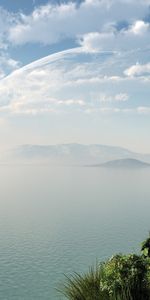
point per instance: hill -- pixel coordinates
(124, 163)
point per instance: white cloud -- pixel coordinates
(93, 23)
(95, 41)
(122, 97)
(105, 97)
(69, 102)
(138, 70)
(37, 88)
(51, 23)
(139, 27)
(132, 38)
(64, 83)
(44, 106)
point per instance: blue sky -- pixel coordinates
(22, 5)
(75, 72)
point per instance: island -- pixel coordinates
(127, 163)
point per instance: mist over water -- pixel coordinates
(55, 221)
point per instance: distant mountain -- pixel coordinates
(70, 154)
(67, 154)
(124, 163)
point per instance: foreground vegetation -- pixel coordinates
(122, 277)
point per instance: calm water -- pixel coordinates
(56, 221)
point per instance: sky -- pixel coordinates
(75, 71)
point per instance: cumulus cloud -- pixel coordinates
(110, 25)
(51, 23)
(139, 27)
(102, 27)
(133, 37)
(138, 70)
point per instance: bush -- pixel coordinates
(146, 248)
(123, 277)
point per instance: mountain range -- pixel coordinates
(71, 154)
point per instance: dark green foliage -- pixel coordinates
(123, 277)
(146, 248)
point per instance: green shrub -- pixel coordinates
(123, 277)
(145, 249)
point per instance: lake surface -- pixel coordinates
(55, 221)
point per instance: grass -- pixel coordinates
(86, 286)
